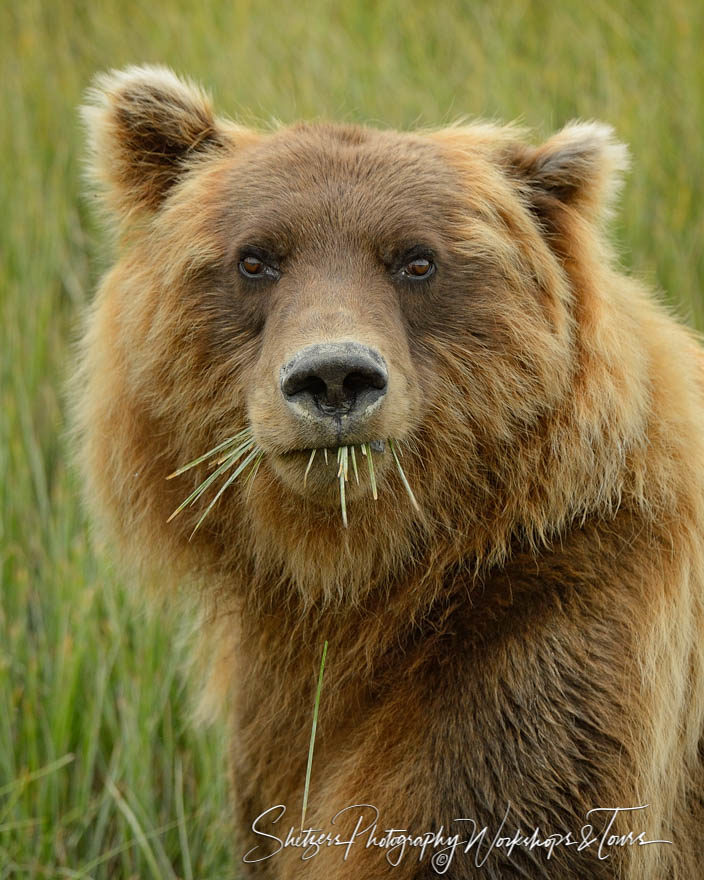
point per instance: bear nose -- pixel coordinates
(334, 379)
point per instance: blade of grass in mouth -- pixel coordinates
(310, 464)
(406, 484)
(246, 452)
(343, 459)
(253, 473)
(233, 476)
(370, 466)
(231, 441)
(342, 478)
(354, 465)
(237, 454)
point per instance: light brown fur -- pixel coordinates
(535, 635)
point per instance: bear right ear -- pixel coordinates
(581, 166)
(145, 125)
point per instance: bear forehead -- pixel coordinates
(334, 180)
(313, 151)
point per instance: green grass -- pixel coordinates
(102, 773)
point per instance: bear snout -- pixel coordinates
(335, 381)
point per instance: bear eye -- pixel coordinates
(258, 266)
(251, 266)
(419, 268)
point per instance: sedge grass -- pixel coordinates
(314, 727)
(310, 465)
(242, 451)
(404, 480)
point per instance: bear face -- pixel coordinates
(327, 287)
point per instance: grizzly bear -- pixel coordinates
(410, 406)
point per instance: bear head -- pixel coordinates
(341, 309)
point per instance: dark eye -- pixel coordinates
(258, 265)
(251, 266)
(418, 269)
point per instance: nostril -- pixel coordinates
(315, 385)
(355, 383)
(334, 376)
(303, 383)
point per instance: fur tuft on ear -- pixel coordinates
(581, 166)
(144, 126)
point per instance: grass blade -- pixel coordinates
(198, 491)
(254, 471)
(354, 465)
(407, 485)
(37, 774)
(181, 816)
(342, 457)
(372, 477)
(314, 727)
(233, 476)
(235, 453)
(343, 502)
(310, 464)
(137, 830)
(225, 443)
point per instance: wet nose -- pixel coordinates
(334, 379)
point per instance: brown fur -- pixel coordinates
(534, 636)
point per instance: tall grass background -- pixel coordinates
(102, 773)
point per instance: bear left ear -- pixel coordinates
(580, 166)
(145, 127)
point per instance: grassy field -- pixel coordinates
(102, 772)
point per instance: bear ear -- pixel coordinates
(144, 126)
(580, 166)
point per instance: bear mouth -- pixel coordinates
(240, 456)
(376, 446)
